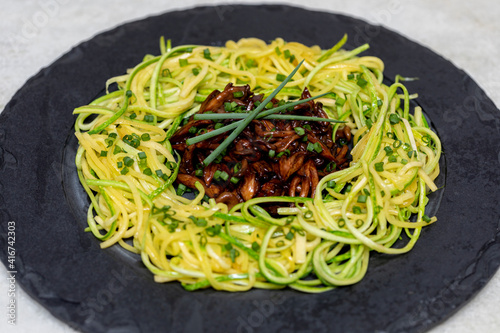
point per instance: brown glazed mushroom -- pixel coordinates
(270, 157)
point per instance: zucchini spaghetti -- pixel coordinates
(131, 172)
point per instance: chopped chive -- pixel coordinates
(379, 166)
(149, 118)
(356, 210)
(272, 152)
(310, 147)
(128, 161)
(119, 164)
(426, 218)
(224, 176)
(388, 150)
(133, 115)
(350, 76)
(203, 240)
(237, 167)
(213, 231)
(131, 141)
(104, 153)
(393, 159)
(198, 173)
(292, 59)
(289, 235)
(147, 172)
(284, 152)
(181, 189)
(228, 107)
(171, 165)
(369, 123)
(404, 161)
(124, 171)
(235, 180)
(238, 94)
(195, 71)
(145, 137)
(206, 54)
(193, 130)
(361, 82)
(183, 62)
(159, 173)
(277, 50)
(233, 253)
(268, 137)
(141, 155)
(217, 174)
(218, 159)
(113, 135)
(255, 246)
(117, 150)
(362, 198)
(331, 166)
(299, 130)
(331, 184)
(317, 147)
(218, 125)
(394, 119)
(199, 222)
(397, 144)
(340, 101)
(109, 142)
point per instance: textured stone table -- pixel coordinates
(33, 34)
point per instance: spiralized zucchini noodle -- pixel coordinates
(128, 168)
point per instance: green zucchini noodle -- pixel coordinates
(128, 168)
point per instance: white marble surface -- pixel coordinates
(34, 33)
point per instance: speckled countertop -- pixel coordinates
(34, 33)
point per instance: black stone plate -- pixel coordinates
(95, 290)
